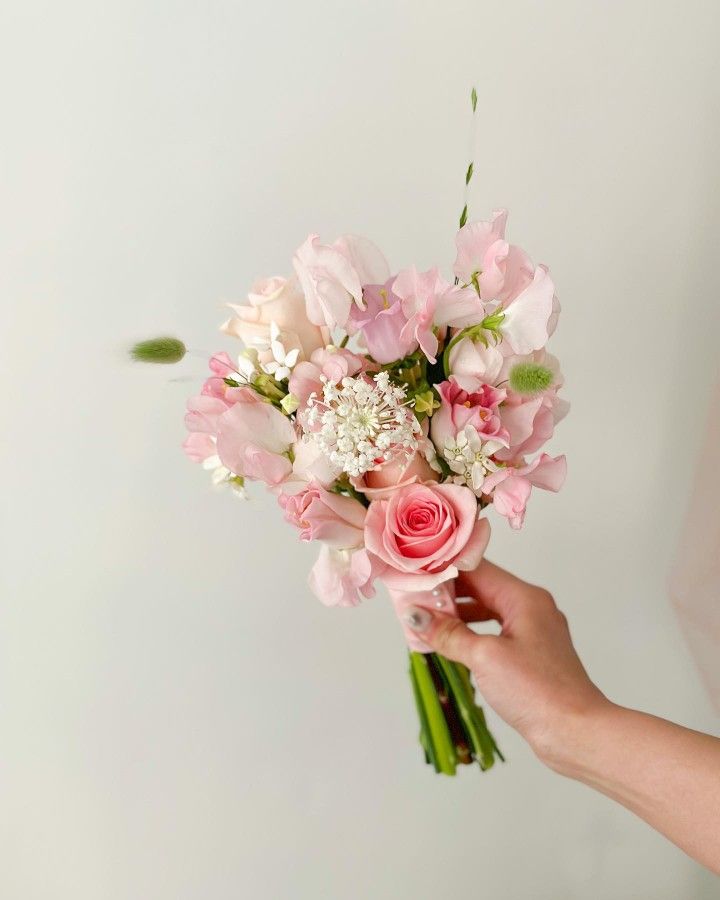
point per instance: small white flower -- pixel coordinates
(468, 458)
(282, 363)
(247, 365)
(360, 424)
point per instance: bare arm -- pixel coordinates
(531, 675)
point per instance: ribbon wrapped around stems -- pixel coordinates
(452, 726)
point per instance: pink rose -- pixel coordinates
(342, 577)
(382, 323)
(381, 483)
(424, 534)
(281, 301)
(332, 276)
(324, 516)
(459, 408)
(254, 439)
(510, 487)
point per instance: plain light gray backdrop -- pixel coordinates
(180, 718)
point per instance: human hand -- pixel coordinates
(530, 673)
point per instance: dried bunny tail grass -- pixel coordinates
(530, 378)
(165, 350)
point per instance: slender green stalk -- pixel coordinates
(445, 757)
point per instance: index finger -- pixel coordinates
(494, 589)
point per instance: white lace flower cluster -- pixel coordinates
(469, 458)
(359, 424)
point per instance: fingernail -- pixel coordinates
(417, 618)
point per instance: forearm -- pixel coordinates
(666, 774)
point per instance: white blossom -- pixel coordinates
(468, 458)
(360, 424)
(283, 361)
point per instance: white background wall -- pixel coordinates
(180, 718)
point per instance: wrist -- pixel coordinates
(570, 737)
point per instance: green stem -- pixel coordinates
(443, 748)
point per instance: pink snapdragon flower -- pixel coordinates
(342, 577)
(425, 534)
(382, 323)
(510, 487)
(322, 515)
(459, 408)
(332, 276)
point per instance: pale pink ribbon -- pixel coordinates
(440, 599)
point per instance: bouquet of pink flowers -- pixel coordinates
(385, 413)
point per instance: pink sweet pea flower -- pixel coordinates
(254, 438)
(321, 515)
(460, 408)
(341, 577)
(382, 323)
(331, 364)
(424, 534)
(473, 363)
(502, 270)
(419, 292)
(527, 317)
(510, 487)
(332, 276)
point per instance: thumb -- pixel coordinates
(446, 635)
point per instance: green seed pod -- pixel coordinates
(165, 350)
(530, 378)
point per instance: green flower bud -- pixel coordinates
(289, 404)
(530, 378)
(164, 350)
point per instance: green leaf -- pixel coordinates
(463, 215)
(469, 173)
(473, 99)
(164, 350)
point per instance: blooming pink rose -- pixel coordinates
(341, 577)
(381, 483)
(254, 438)
(420, 292)
(424, 534)
(325, 516)
(459, 408)
(332, 276)
(503, 270)
(382, 323)
(281, 301)
(510, 487)
(331, 364)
